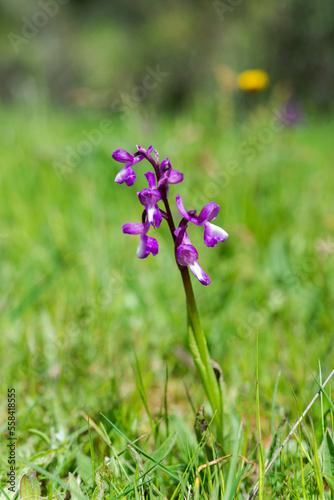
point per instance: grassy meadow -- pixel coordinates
(89, 329)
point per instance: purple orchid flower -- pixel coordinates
(149, 198)
(212, 233)
(168, 175)
(146, 244)
(127, 174)
(173, 176)
(122, 156)
(159, 180)
(187, 255)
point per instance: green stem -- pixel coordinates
(201, 355)
(197, 340)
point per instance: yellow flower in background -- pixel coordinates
(253, 80)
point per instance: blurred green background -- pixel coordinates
(81, 53)
(80, 79)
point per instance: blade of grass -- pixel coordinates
(102, 433)
(321, 403)
(52, 477)
(258, 424)
(3, 491)
(192, 459)
(40, 434)
(141, 390)
(230, 483)
(171, 474)
(317, 469)
(252, 494)
(133, 488)
(322, 391)
(302, 466)
(166, 403)
(91, 451)
(273, 404)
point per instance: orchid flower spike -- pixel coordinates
(159, 181)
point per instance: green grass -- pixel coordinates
(89, 329)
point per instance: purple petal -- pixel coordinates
(180, 230)
(144, 151)
(140, 149)
(165, 165)
(150, 176)
(149, 197)
(146, 246)
(152, 245)
(181, 236)
(156, 154)
(213, 234)
(122, 156)
(186, 255)
(127, 175)
(179, 233)
(175, 177)
(186, 239)
(183, 211)
(208, 212)
(199, 273)
(134, 228)
(154, 216)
